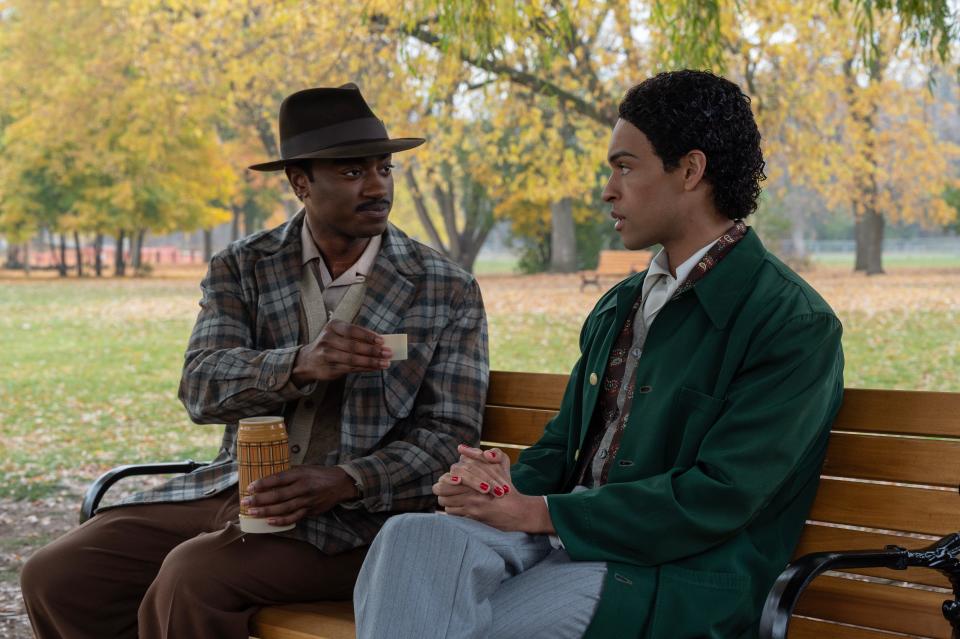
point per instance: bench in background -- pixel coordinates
(616, 264)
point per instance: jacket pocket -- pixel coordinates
(697, 604)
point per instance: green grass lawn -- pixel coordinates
(90, 371)
(895, 260)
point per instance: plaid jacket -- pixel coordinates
(400, 427)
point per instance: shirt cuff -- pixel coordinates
(358, 482)
(554, 540)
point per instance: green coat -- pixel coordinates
(738, 384)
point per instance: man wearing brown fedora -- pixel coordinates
(291, 322)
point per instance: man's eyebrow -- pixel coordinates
(619, 154)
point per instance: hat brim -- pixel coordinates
(357, 150)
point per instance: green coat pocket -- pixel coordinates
(696, 604)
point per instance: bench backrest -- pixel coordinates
(620, 262)
(890, 477)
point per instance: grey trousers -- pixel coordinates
(440, 576)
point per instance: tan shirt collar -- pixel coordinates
(353, 275)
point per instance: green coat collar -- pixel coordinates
(719, 294)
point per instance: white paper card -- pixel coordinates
(397, 342)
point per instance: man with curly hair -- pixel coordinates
(670, 490)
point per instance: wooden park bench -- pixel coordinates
(615, 264)
(890, 478)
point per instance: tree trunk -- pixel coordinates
(79, 252)
(136, 257)
(13, 256)
(860, 244)
(62, 266)
(207, 245)
(26, 258)
(420, 205)
(563, 241)
(251, 222)
(873, 223)
(98, 255)
(235, 225)
(119, 263)
(798, 241)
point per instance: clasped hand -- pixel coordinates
(479, 487)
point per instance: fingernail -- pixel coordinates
(386, 353)
(253, 512)
(454, 478)
(250, 488)
(506, 489)
(385, 363)
(498, 491)
(245, 501)
(491, 454)
(484, 486)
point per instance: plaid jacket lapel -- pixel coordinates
(278, 280)
(389, 292)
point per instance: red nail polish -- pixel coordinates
(498, 491)
(506, 489)
(484, 486)
(454, 478)
(491, 454)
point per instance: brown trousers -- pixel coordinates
(173, 570)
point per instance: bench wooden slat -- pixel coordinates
(818, 538)
(526, 390)
(872, 605)
(884, 458)
(804, 628)
(905, 412)
(320, 620)
(902, 508)
(519, 426)
(897, 459)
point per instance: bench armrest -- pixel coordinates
(96, 491)
(786, 591)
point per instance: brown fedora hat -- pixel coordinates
(331, 123)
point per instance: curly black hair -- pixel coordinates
(680, 111)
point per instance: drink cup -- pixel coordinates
(262, 450)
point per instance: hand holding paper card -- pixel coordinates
(397, 342)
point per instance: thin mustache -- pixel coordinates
(374, 204)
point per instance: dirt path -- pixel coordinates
(24, 527)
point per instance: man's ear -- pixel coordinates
(694, 166)
(296, 176)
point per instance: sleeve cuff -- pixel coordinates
(275, 374)
(358, 482)
(554, 539)
(372, 477)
